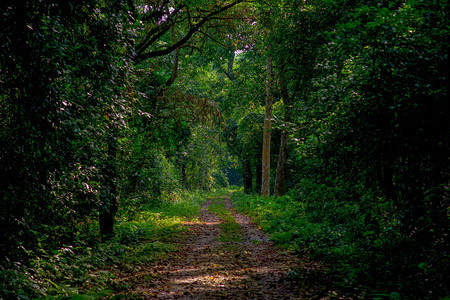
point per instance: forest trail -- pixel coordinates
(224, 255)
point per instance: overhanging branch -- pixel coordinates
(192, 31)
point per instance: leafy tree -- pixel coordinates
(104, 105)
(374, 116)
(186, 18)
(62, 86)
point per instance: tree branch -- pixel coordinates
(158, 32)
(175, 63)
(192, 31)
(213, 39)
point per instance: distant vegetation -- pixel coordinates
(113, 114)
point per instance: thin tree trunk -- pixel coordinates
(258, 176)
(229, 71)
(247, 174)
(174, 68)
(281, 166)
(265, 180)
(108, 205)
(280, 177)
(175, 61)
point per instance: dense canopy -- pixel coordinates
(332, 115)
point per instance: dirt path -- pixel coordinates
(214, 264)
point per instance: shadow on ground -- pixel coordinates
(208, 267)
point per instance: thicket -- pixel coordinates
(358, 235)
(109, 105)
(384, 129)
(362, 89)
(88, 131)
(89, 268)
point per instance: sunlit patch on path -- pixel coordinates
(209, 267)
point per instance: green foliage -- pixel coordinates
(87, 121)
(348, 227)
(370, 134)
(150, 176)
(62, 99)
(91, 268)
(250, 137)
(229, 228)
(205, 158)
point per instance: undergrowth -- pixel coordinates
(363, 246)
(229, 228)
(88, 268)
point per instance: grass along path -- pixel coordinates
(223, 255)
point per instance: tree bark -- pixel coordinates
(265, 180)
(174, 68)
(175, 61)
(280, 177)
(108, 204)
(229, 71)
(247, 174)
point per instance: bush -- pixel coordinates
(355, 234)
(220, 179)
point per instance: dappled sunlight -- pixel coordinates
(202, 223)
(211, 280)
(209, 265)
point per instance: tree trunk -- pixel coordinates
(281, 166)
(175, 61)
(229, 71)
(258, 176)
(174, 75)
(247, 174)
(265, 180)
(108, 204)
(283, 153)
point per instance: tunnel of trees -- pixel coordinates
(335, 110)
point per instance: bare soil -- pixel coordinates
(208, 267)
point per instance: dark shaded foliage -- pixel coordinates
(63, 74)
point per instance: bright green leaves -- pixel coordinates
(205, 159)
